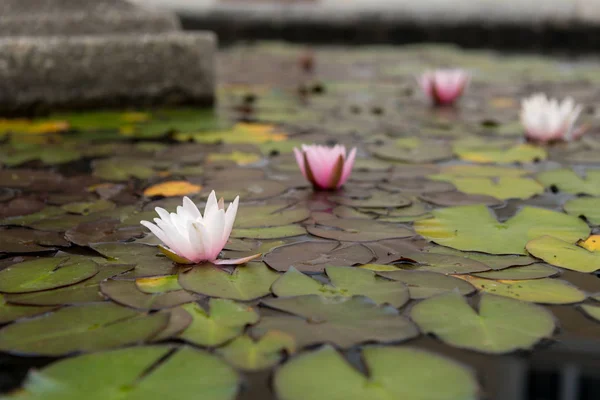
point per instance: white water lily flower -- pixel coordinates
(547, 120)
(192, 237)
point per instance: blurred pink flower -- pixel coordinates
(444, 86)
(547, 120)
(193, 238)
(325, 167)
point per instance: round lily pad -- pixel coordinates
(250, 355)
(345, 282)
(587, 207)
(145, 372)
(475, 228)
(46, 273)
(394, 373)
(358, 230)
(224, 320)
(533, 271)
(80, 328)
(423, 284)
(501, 324)
(126, 293)
(246, 282)
(344, 322)
(566, 180)
(315, 256)
(564, 254)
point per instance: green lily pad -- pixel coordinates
(145, 372)
(492, 153)
(545, 290)
(376, 199)
(20, 240)
(423, 284)
(502, 325)
(269, 215)
(224, 321)
(587, 207)
(122, 169)
(87, 291)
(46, 273)
(89, 207)
(158, 284)
(148, 260)
(566, 180)
(247, 282)
(413, 150)
(564, 254)
(315, 256)
(344, 322)
(126, 293)
(11, 312)
(591, 310)
(272, 232)
(444, 263)
(533, 271)
(249, 355)
(493, 261)
(358, 230)
(394, 373)
(90, 327)
(345, 282)
(474, 228)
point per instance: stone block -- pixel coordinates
(78, 72)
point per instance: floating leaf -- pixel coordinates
(126, 293)
(358, 230)
(273, 232)
(491, 153)
(80, 328)
(46, 273)
(268, 215)
(343, 321)
(85, 208)
(545, 290)
(346, 282)
(533, 271)
(394, 373)
(566, 180)
(145, 372)
(495, 262)
(18, 240)
(502, 325)
(122, 169)
(172, 188)
(459, 199)
(11, 312)
(592, 311)
(413, 150)
(147, 260)
(225, 320)
(87, 291)
(564, 254)
(376, 199)
(422, 284)
(240, 133)
(315, 256)
(247, 282)
(249, 355)
(587, 207)
(475, 228)
(158, 284)
(445, 264)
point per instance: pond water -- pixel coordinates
(457, 262)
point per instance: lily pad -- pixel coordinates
(545, 290)
(20, 240)
(566, 180)
(459, 199)
(587, 207)
(423, 284)
(495, 262)
(358, 230)
(87, 291)
(11, 312)
(122, 169)
(46, 273)
(345, 282)
(249, 355)
(126, 293)
(501, 324)
(445, 264)
(142, 372)
(564, 254)
(245, 283)
(269, 215)
(344, 322)
(491, 153)
(224, 321)
(315, 256)
(533, 271)
(591, 310)
(413, 150)
(394, 373)
(148, 260)
(474, 228)
(272, 232)
(376, 199)
(91, 327)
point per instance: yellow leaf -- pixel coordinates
(31, 127)
(591, 244)
(135, 117)
(172, 188)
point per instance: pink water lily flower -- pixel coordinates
(444, 86)
(546, 120)
(191, 237)
(325, 167)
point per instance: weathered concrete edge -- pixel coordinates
(38, 74)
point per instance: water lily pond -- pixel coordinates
(457, 262)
